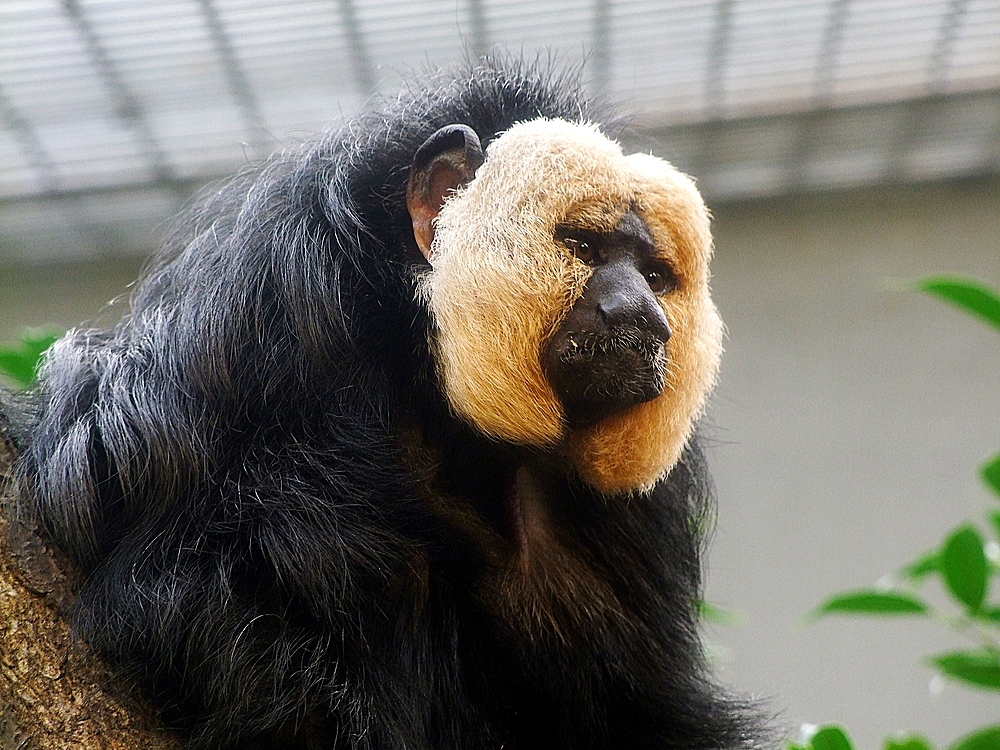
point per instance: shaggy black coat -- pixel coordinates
(232, 467)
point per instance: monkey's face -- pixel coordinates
(569, 291)
(609, 353)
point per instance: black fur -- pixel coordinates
(251, 470)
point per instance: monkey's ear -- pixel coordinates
(446, 161)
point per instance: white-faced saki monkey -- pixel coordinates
(396, 448)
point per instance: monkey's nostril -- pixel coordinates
(619, 310)
(661, 328)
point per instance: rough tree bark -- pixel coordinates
(54, 692)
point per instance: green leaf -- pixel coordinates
(830, 738)
(980, 668)
(717, 615)
(987, 738)
(990, 472)
(965, 568)
(17, 366)
(923, 566)
(20, 362)
(907, 742)
(995, 518)
(971, 296)
(990, 614)
(872, 602)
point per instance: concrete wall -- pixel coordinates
(846, 433)
(64, 294)
(848, 427)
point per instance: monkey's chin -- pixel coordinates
(600, 384)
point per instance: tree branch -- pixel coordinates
(54, 692)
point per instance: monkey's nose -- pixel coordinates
(622, 310)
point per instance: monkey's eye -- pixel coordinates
(583, 249)
(661, 280)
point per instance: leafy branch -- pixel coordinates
(966, 562)
(19, 362)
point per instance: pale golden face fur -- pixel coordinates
(500, 285)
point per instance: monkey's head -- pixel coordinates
(568, 286)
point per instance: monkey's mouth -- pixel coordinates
(596, 374)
